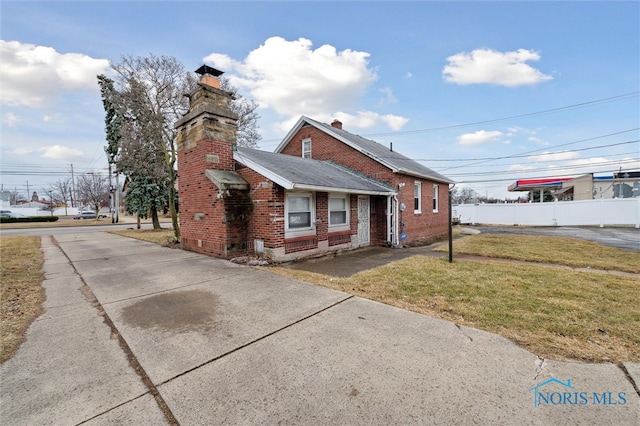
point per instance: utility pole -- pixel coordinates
(73, 188)
(28, 194)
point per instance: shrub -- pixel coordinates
(28, 219)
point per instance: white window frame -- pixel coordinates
(340, 226)
(299, 232)
(306, 148)
(417, 195)
(436, 197)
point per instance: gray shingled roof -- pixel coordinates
(300, 173)
(397, 162)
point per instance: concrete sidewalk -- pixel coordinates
(134, 333)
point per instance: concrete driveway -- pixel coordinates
(134, 333)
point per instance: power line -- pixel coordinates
(617, 154)
(542, 149)
(616, 98)
(615, 163)
(513, 117)
(528, 154)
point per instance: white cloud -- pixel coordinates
(368, 119)
(408, 75)
(387, 96)
(21, 151)
(58, 152)
(479, 137)
(31, 75)
(493, 67)
(294, 79)
(10, 119)
(554, 156)
(520, 168)
(538, 141)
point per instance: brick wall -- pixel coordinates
(417, 226)
(212, 222)
(267, 219)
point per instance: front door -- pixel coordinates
(363, 220)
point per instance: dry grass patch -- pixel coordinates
(553, 313)
(21, 293)
(562, 251)
(56, 224)
(164, 237)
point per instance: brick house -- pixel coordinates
(324, 189)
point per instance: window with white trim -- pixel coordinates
(306, 148)
(338, 211)
(299, 211)
(435, 198)
(417, 197)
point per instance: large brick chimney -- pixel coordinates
(210, 122)
(208, 188)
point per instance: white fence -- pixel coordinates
(34, 211)
(602, 212)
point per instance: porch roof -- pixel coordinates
(301, 173)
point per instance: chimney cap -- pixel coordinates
(205, 69)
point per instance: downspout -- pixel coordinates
(396, 214)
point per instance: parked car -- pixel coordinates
(85, 215)
(9, 214)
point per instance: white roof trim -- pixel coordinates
(312, 122)
(303, 119)
(291, 133)
(341, 190)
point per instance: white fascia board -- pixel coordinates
(292, 132)
(263, 171)
(340, 190)
(424, 177)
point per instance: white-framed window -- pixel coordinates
(299, 213)
(435, 198)
(417, 197)
(338, 212)
(306, 148)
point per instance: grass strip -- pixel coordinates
(572, 252)
(164, 237)
(21, 293)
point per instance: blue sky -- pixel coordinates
(418, 74)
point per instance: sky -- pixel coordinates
(484, 93)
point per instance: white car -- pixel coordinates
(10, 214)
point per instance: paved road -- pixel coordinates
(625, 238)
(134, 333)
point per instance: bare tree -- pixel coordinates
(247, 124)
(15, 197)
(142, 104)
(463, 195)
(60, 192)
(93, 189)
(151, 93)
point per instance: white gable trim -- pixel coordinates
(306, 120)
(313, 123)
